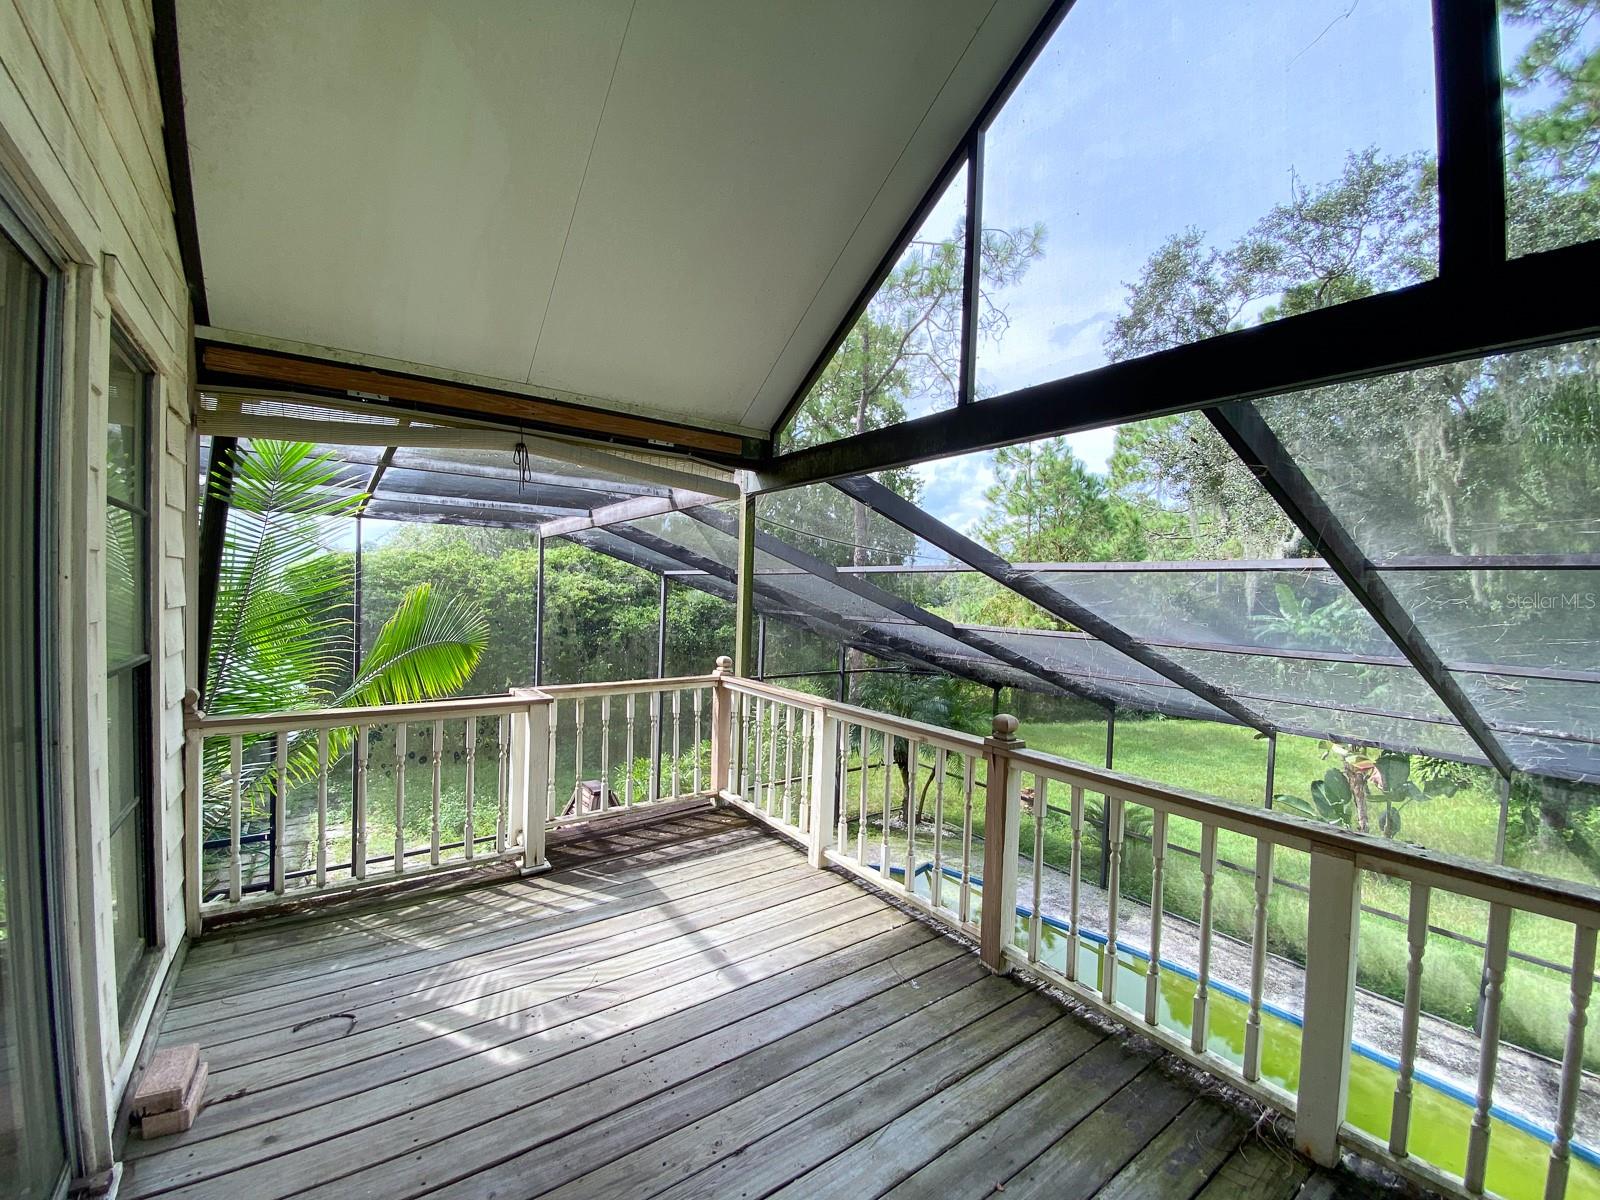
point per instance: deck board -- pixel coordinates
(679, 1009)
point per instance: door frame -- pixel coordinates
(20, 225)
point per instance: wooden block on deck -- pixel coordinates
(164, 1123)
(164, 1082)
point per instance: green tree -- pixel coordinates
(905, 348)
(1559, 139)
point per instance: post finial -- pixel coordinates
(1005, 727)
(724, 665)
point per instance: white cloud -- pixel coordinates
(952, 489)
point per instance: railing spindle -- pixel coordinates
(322, 808)
(280, 814)
(358, 817)
(1074, 882)
(861, 824)
(913, 751)
(1410, 1019)
(399, 797)
(888, 803)
(577, 754)
(1494, 975)
(1116, 813)
(469, 833)
(677, 746)
(698, 741)
(1036, 923)
(627, 781)
(438, 789)
(1258, 960)
(1202, 989)
(803, 772)
(655, 746)
(605, 753)
(969, 781)
(773, 719)
(1158, 874)
(235, 818)
(936, 884)
(502, 784)
(758, 766)
(550, 750)
(1583, 949)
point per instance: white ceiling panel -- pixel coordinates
(668, 206)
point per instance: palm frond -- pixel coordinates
(275, 638)
(427, 649)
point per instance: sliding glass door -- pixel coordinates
(33, 1157)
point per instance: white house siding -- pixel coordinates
(81, 141)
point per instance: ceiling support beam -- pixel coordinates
(419, 460)
(436, 510)
(781, 550)
(221, 364)
(1438, 321)
(629, 510)
(1253, 440)
(226, 423)
(933, 531)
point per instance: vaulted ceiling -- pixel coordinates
(660, 206)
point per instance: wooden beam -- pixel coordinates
(236, 364)
(357, 433)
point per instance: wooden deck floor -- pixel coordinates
(683, 1009)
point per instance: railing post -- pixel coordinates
(721, 728)
(530, 775)
(1002, 814)
(193, 811)
(824, 798)
(1333, 926)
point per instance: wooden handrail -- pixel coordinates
(376, 714)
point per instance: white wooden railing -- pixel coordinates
(840, 780)
(291, 805)
(852, 812)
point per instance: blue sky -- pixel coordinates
(1144, 117)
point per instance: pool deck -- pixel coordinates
(682, 1008)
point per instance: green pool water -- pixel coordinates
(1518, 1160)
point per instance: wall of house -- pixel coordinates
(81, 152)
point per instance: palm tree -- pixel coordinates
(282, 635)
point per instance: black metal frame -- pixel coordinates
(1242, 427)
(1461, 314)
(175, 145)
(908, 516)
(213, 533)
